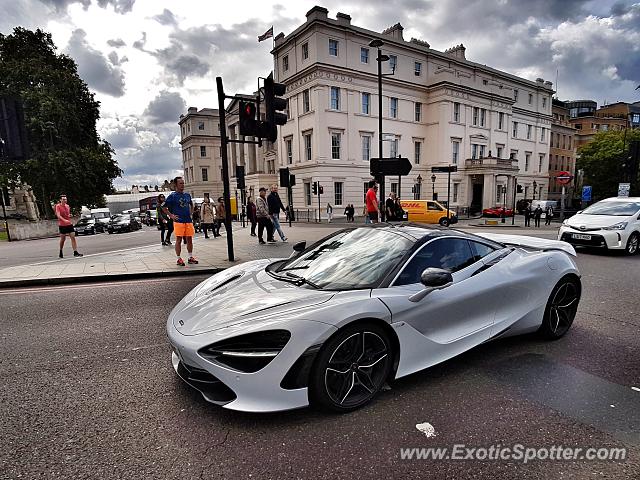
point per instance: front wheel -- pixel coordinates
(561, 309)
(444, 221)
(351, 368)
(632, 244)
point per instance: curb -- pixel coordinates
(31, 282)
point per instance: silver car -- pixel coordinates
(337, 320)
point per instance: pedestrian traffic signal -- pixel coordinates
(519, 189)
(249, 125)
(240, 177)
(284, 178)
(320, 189)
(273, 105)
(315, 188)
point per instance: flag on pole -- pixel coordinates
(265, 35)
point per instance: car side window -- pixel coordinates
(452, 254)
(433, 206)
(480, 250)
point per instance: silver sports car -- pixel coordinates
(337, 320)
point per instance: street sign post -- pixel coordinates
(563, 178)
(448, 169)
(389, 166)
(586, 193)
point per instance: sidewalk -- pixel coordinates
(158, 261)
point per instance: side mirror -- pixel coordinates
(300, 246)
(432, 279)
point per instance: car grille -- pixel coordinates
(592, 229)
(596, 240)
(211, 387)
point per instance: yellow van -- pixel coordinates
(428, 211)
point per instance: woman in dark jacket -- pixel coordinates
(252, 215)
(164, 222)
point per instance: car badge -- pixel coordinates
(583, 228)
(181, 322)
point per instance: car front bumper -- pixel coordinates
(609, 239)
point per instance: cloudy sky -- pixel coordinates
(147, 60)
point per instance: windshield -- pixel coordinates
(619, 209)
(84, 221)
(349, 260)
(100, 215)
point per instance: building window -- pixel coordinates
(527, 161)
(364, 55)
(393, 148)
(528, 132)
(501, 121)
(456, 112)
(498, 194)
(476, 111)
(483, 115)
(337, 190)
(499, 151)
(514, 133)
(417, 69)
(205, 174)
(530, 98)
(417, 148)
(393, 107)
(307, 146)
(482, 147)
(333, 48)
(306, 101)
(418, 113)
(366, 189)
(188, 127)
(394, 187)
(455, 148)
(200, 125)
(564, 142)
(393, 62)
(417, 187)
(285, 63)
(542, 134)
(289, 144)
(305, 51)
(515, 94)
(456, 186)
(335, 145)
(335, 98)
(203, 151)
(474, 151)
(544, 104)
(366, 101)
(366, 148)
(307, 193)
(191, 174)
(569, 145)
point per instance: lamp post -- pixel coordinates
(377, 43)
(504, 207)
(433, 185)
(535, 186)
(419, 192)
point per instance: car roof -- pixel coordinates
(621, 199)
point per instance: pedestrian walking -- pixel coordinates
(275, 206)
(221, 215)
(528, 213)
(548, 215)
(178, 206)
(206, 215)
(390, 208)
(251, 214)
(329, 212)
(196, 218)
(373, 212)
(65, 227)
(264, 219)
(398, 211)
(164, 222)
(352, 213)
(537, 213)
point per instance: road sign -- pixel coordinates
(623, 189)
(390, 166)
(448, 169)
(564, 178)
(586, 193)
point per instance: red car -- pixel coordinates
(497, 212)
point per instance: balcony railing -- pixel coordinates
(491, 162)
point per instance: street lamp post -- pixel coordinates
(535, 186)
(433, 185)
(419, 182)
(504, 207)
(377, 43)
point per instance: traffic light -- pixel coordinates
(284, 177)
(273, 105)
(315, 188)
(320, 189)
(292, 180)
(249, 125)
(519, 189)
(240, 177)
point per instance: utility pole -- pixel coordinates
(225, 169)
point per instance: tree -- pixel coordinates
(67, 154)
(603, 161)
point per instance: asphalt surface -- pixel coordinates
(89, 392)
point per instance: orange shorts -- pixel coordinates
(183, 229)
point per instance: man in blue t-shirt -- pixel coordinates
(178, 206)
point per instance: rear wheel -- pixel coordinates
(632, 244)
(351, 368)
(562, 307)
(444, 221)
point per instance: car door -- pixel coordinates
(448, 321)
(434, 212)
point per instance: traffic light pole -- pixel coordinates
(381, 205)
(225, 168)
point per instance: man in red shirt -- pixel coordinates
(373, 211)
(63, 212)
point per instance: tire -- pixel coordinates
(632, 244)
(110, 231)
(444, 221)
(561, 308)
(93, 231)
(346, 376)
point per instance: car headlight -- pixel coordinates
(617, 226)
(565, 223)
(247, 353)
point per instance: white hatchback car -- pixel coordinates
(613, 223)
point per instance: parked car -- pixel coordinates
(497, 212)
(101, 215)
(612, 224)
(428, 211)
(336, 330)
(88, 226)
(123, 222)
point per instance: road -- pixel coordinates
(89, 392)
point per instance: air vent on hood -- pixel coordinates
(226, 282)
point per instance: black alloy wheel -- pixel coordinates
(562, 307)
(351, 368)
(444, 221)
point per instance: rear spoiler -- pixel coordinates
(530, 242)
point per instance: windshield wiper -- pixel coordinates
(302, 281)
(293, 268)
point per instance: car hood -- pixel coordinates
(240, 294)
(595, 221)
